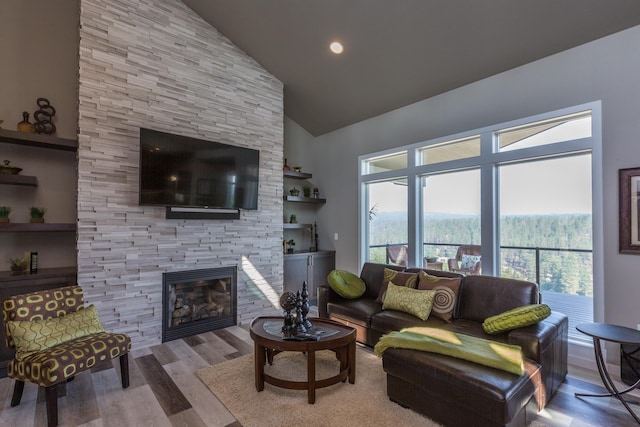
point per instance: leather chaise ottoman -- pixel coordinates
(456, 392)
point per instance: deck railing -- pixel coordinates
(537, 250)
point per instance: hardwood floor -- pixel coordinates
(165, 391)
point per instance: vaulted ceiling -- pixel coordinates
(397, 52)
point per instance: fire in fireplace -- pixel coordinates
(198, 301)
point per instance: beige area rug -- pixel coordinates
(364, 403)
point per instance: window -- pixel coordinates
(387, 221)
(519, 192)
(451, 150)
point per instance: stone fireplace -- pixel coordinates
(197, 301)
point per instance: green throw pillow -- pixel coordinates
(346, 284)
(408, 300)
(37, 335)
(410, 280)
(517, 318)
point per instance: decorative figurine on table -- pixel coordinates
(288, 303)
(299, 327)
(305, 306)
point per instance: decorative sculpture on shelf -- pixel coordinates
(43, 117)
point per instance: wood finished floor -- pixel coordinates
(165, 391)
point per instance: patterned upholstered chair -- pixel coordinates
(56, 337)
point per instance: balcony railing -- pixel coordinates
(537, 251)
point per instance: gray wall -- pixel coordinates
(606, 70)
(164, 68)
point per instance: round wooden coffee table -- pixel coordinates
(269, 341)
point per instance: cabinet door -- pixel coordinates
(321, 265)
(295, 271)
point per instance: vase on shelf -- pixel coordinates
(286, 166)
(25, 125)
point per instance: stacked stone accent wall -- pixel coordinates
(156, 64)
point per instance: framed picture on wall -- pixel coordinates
(629, 186)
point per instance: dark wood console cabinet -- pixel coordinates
(312, 267)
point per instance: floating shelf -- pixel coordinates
(31, 227)
(296, 175)
(296, 226)
(303, 199)
(38, 140)
(8, 179)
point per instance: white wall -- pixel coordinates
(606, 70)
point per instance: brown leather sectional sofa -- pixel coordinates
(453, 391)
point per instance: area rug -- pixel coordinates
(364, 403)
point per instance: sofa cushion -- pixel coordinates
(373, 276)
(392, 320)
(34, 336)
(346, 284)
(358, 311)
(409, 280)
(486, 296)
(408, 300)
(446, 297)
(517, 318)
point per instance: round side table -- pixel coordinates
(613, 333)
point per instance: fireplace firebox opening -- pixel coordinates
(198, 301)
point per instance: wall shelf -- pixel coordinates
(296, 175)
(38, 140)
(296, 226)
(29, 181)
(299, 199)
(32, 227)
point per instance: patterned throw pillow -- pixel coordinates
(346, 284)
(33, 336)
(410, 280)
(469, 261)
(446, 293)
(409, 300)
(517, 318)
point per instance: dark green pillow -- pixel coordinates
(517, 318)
(346, 284)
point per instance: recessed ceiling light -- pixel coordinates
(336, 47)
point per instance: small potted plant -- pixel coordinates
(290, 243)
(37, 214)
(307, 191)
(293, 219)
(19, 264)
(4, 213)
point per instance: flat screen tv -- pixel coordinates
(177, 170)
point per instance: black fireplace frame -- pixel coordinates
(170, 333)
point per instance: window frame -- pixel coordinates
(488, 160)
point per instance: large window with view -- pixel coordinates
(513, 200)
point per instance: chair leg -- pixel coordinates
(124, 369)
(51, 398)
(18, 388)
